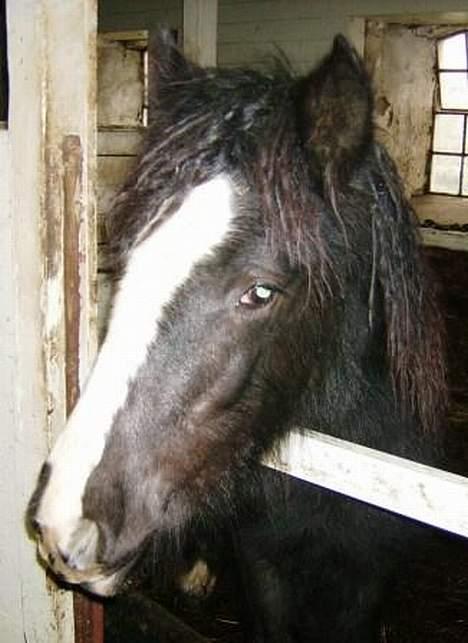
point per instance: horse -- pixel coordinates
(270, 277)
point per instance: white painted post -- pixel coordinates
(51, 59)
(408, 488)
(200, 31)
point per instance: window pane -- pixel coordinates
(454, 90)
(465, 178)
(452, 52)
(445, 173)
(448, 133)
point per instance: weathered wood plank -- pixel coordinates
(200, 31)
(268, 31)
(297, 52)
(70, 213)
(136, 38)
(271, 10)
(144, 14)
(105, 289)
(130, 6)
(112, 171)
(122, 142)
(72, 153)
(445, 239)
(443, 210)
(121, 88)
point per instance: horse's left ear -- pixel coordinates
(167, 65)
(335, 111)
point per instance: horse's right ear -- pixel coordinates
(334, 107)
(167, 64)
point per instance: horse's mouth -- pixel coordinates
(95, 579)
(74, 570)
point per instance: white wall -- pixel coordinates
(51, 88)
(27, 605)
(22, 588)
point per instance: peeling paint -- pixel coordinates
(72, 187)
(54, 309)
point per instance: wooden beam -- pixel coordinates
(445, 239)
(408, 488)
(200, 31)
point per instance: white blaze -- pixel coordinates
(156, 268)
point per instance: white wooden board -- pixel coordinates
(408, 488)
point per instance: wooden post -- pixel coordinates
(70, 196)
(88, 614)
(72, 148)
(200, 31)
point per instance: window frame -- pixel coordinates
(438, 111)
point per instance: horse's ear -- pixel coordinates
(335, 110)
(167, 65)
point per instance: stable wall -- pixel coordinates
(401, 64)
(250, 30)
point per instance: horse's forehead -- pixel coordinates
(159, 265)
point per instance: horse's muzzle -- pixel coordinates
(76, 563)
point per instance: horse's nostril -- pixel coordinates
(36, 526)
(82, 547)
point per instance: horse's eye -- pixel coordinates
(258, 295)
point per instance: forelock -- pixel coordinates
(200, 128)
(242, 123)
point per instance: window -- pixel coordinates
(449, 162)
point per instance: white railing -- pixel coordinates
(408, 488)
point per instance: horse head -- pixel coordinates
(268, 274)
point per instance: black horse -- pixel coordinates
(270, 277)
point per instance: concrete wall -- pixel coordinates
(401, 61)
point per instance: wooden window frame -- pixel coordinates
(440, 110)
